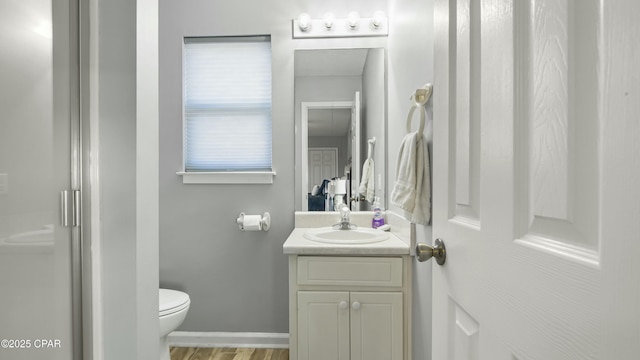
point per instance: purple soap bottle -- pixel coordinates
(378, 219)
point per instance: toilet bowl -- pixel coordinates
(173, 309)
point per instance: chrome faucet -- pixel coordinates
(345, 223)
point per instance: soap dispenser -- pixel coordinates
(378, 219)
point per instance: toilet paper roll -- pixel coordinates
(340, 186)
(252, 223)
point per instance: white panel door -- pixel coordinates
(323, 325)
(537, 179)
(323, 164)
(376, 326)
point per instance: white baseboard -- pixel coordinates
(229, 339)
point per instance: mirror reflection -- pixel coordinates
(340, 111)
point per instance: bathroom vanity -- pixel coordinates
(348, 298)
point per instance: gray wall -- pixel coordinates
(410, 67)
(238, 281)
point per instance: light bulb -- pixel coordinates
(328, 20)
(353, 19)
(378, 18)
(304, 21)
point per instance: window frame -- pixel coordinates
(221, 176)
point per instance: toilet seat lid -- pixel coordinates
(171, 301)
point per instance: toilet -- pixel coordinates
(173, 309)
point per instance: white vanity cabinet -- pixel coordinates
(349, 325)
(349, 308)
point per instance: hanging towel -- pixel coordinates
(367, 187)
(412, 189)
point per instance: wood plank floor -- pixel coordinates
(189, 353)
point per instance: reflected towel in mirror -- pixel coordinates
(367, 183)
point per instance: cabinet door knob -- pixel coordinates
(343, 305)
(355, 305)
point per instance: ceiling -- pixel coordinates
(329, 122)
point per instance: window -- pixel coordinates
(227, 110)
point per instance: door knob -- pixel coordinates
(355, 305)
(426, 252)
(343, 305)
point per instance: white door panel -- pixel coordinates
(535, 149)
(323, 164)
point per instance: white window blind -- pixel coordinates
(227, 104)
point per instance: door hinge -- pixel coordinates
(72, 210)
(76, 208)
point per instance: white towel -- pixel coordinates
(412, 189)
(367, 186)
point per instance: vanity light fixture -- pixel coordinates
(353, 18)
(378, 18)
(304, 22)
(328, 19)
(329, 26)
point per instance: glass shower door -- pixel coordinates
(36, 112)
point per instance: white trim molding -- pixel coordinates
(231, 177)
(229, 339)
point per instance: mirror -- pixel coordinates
(340, 114)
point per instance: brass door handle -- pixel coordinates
(426, 252)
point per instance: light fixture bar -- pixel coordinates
(353, 26)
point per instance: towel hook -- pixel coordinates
(420, 97)
(371, 143)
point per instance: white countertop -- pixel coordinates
(297, 244)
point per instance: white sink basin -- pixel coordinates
(351, 237)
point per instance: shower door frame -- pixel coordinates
(81, 295)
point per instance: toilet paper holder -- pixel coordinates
(264, 221)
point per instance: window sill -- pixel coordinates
(233, 177)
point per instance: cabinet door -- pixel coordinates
(323, 325)
(376, 326)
